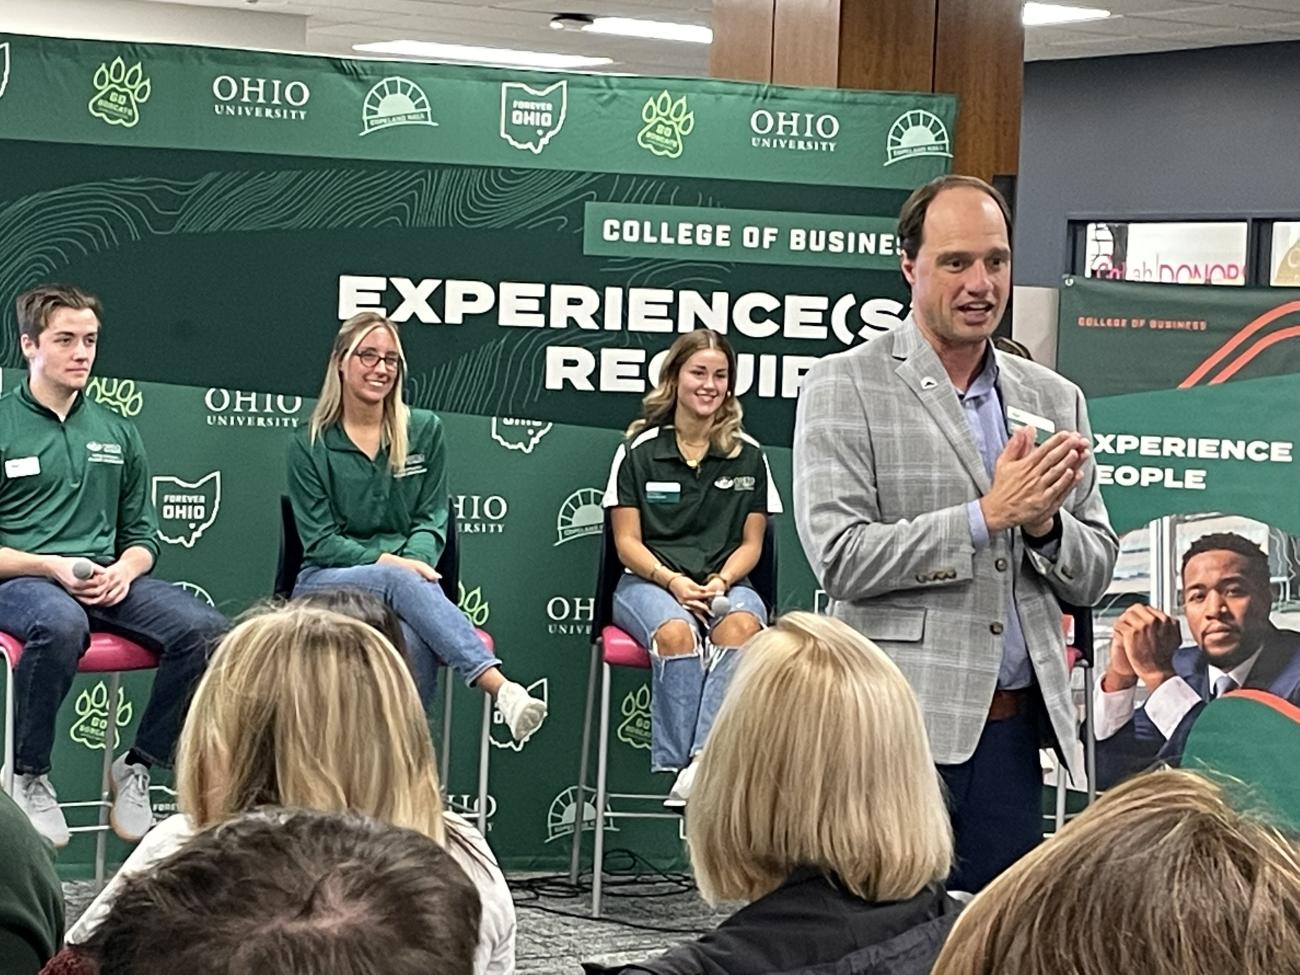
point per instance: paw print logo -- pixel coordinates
(119, 93)
(667, 123)
(91, 727)
(119, 395)
(473, 605)
(635, 728)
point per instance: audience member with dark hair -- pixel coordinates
(1160, 877)
(818, 803)
(292, 891)
(1227, 599)
(31, 901)
(307, 708)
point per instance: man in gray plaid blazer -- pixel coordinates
(946, 538)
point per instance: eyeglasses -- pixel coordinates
(370, 358)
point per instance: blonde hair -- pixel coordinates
(818, 758)
(308, 708)
(329, 407)
(1161, 876)
(659, 405)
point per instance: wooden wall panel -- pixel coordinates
(887, 45)
(805, 42)
(742, 40)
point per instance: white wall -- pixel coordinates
(143, 21)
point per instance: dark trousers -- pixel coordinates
(995, 799)
(56, 629)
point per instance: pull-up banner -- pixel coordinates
(1192, 394)
(540, 237)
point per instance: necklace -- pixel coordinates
(686, 449)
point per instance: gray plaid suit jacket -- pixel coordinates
(884, 464)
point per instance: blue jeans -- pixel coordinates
(685, 691)
(56, 629)
(436, 631)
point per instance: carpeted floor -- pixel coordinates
(556, 931)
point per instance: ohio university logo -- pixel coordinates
(580, 515)
(466, 804)
(240, 408)
(531, 117)
(91, 727)
(186, 509)
(570, 615)
(500, 736)
(119, 93)
(480, 514)
(517, 434)
(263, 98)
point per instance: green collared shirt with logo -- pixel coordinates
(77, 486)
(692, 518)
(351, 509)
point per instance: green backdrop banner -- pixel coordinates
(539, 275)
(1192, 394)
(541, 238)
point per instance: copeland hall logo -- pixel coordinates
(4, 67)
(197, 591)
(119, 93)
(917, 133)
(186, 510)
(261, 98)
(532, 117)
(514, 433)
(794, 131)
(580, 515)
(240, 408)
(91, 727)
(667, 124)
(563, 814)
(394, 102)
(500, 734)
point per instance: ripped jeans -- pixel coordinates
(685, 691)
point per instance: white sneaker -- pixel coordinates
(683, 786)
(523, 713)
(132, 815)
(37, 798)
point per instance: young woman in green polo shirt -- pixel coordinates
(689, 496)
(368, 483)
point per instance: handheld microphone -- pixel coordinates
(720, 606)
(83, 569)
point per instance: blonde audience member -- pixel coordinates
(307, 708)
(818, 804)
(1162, 876)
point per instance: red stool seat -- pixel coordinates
(1072, 657)
(486, 639)
(106, 654)
(620, 650)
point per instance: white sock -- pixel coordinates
(522, 712)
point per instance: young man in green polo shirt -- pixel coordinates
(78, 536)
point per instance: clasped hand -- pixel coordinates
(1030, 483)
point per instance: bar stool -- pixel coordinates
(107, 654)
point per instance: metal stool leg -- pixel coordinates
(105, 797)
(602, 758)
(580, 794)
(483, 751)
(1090, 732)
(1061, 790)
(8, 783)
(446, 733)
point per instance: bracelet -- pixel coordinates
(718, 575)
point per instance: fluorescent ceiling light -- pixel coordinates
(652, 29)
(481, 55)
(1046, 14)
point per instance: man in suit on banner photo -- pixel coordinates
(1227, 599)
(947, 538)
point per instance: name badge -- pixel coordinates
(1017, 418)
(22, 467)
(663, 492)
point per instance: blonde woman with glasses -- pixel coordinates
(818, 804)
(368, 484)
(303, 707)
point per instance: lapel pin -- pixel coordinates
(928, 383)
